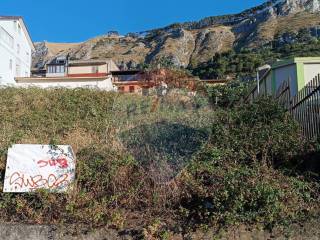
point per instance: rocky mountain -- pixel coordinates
(191, 43)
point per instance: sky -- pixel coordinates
(79, 20)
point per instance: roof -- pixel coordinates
(23, 25)
(125, 72)
(10, 17)
(290, 61)
(58, 61)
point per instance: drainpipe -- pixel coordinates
(258, 82)
(67, 66)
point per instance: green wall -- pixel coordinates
(300, 75)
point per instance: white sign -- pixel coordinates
(32, 167)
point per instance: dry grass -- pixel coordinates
(139, 165)
(291, 23)
(58, 48)
(92, 122)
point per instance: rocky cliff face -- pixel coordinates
(192, 43)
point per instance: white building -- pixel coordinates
(15, 49)
(64, 73)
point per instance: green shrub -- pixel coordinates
(228, 95)
(225, 159)
(233, 179)
(220, 194)
(260, 132)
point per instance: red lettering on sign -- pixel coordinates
(61, 162)
(38, 181)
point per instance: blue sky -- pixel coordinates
(79, 20)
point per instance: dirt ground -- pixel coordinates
(307, 231)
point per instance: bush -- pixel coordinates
(260, 132)
(218, 163)
(227, 95)
(226, 194)
(233, 179)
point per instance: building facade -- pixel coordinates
(57, 67)
(63, 67)
(128, 81)
(64, 73)
(15, 49)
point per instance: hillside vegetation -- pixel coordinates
(160, 166)
(243, 64)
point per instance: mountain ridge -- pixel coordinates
(192, 43)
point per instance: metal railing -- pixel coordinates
(283, 95)
(304, 107)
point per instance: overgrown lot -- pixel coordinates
(160, 165)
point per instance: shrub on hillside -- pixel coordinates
(227, 95)
(260, 132)
(233, 179)
(114, 136)
(219, 193)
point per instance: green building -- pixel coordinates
(297, 72)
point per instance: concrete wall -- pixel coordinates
(287, 73)
(310, 71)
(55, 75)
(102, 85)
(263, 89)
(15, 58)
(105, 68)
(265, 86)
(84, 69)
(269, 84)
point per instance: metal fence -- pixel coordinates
(283, 95)
(304, 107)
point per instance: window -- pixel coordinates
(50, 69)
(131, 89)
(56, 69)
(18, 48)
(6, 37)
(60, 69)
(10, 64)
(18, 70)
